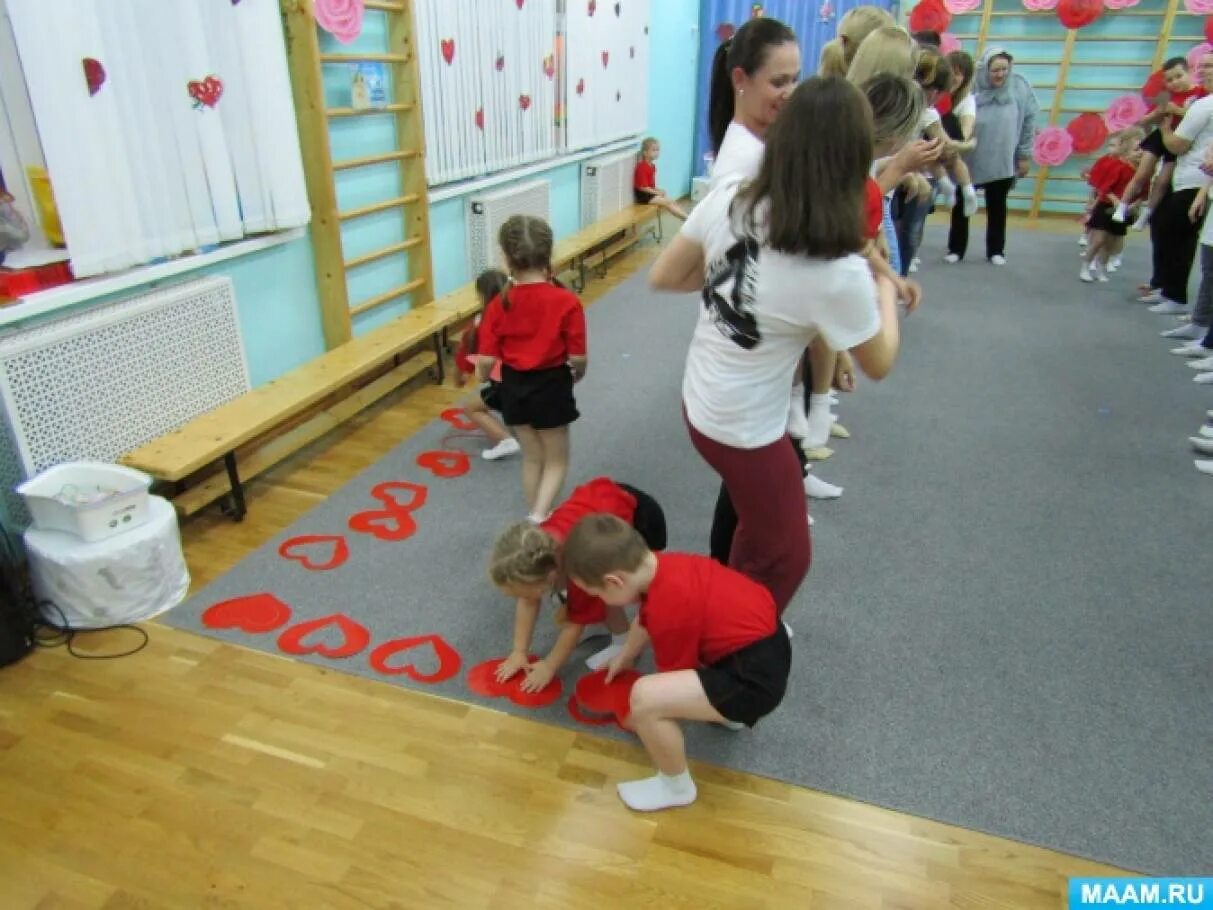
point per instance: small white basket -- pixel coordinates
(89, 499)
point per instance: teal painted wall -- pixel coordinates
(673, 101)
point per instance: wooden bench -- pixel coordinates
(323, 393)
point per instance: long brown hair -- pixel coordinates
(812, 181)
(962, 61)
(747, 50)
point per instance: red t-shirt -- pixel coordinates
(542, 328)
(943, 104)
(697, 611)
(1110, 176)
(466, 351)
(645, 176)
(873, 209)
(600, 495)
(1183, 99)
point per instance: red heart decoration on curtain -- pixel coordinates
(447, 658)
(448, 49)
(1209, 29)
(580, 86)
(300, 550)
(520, 3)
(355, 637)
(500, 64)
(549, 66)
(445, 464)
(930, 16)
(94, 75)
(255, 613)
(592, 7)
(1079, 13)
(524, 102)
(1088, 131)
(479, 118)
(457, 418)
(606, 58)
(207, 92)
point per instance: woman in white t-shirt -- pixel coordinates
(778, 263)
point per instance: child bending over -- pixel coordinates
(479, 408)
(722, 654)
(526, 565)
(1110, 179)
(536, 330)
(644, 181)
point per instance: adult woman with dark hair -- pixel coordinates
(779, 263)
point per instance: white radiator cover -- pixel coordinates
(95, 385)
(606, 185)
(486, 212)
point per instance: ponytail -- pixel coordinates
(745, 50)
(720, 96)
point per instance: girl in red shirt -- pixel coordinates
(479, 408)
(536, 330)
(1110, 178)
(644, 181)
(526, 565)
(722, 654)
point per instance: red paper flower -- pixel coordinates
(1088, 131)
(1079, 13)
(1052, 147)
(930, 16)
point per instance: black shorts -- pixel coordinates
(541, 399)
(1155, 146)
(648, 519)
(491, 396)
(641, 197)
(1101, 220)
(951, 126)
(749, 684)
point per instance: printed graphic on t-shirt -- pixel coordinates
(728, 294)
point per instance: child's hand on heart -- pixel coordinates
(538, 675)
(511, 665)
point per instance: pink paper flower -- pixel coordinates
(948, 43)
(343, 18)
(1052, 147)
(1037, 6)
(1200, 7)
(1125, 111)
(1197, 52)
(1120, 4)
(960, 7)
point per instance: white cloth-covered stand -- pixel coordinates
(126, 578)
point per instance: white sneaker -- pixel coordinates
(914, 264)
(997, 259)
(1192, 349)
(1101, 275)
(810, 521)
(1205, 466)
(1203, 378)
(1084, 274)
(1114, 264)
(1188, 330)
(951, 259)
(1142, 220)
(1166, 307)
(1202, 445)
(1150, 297)
(1082, 241)
(1121, 214)
(816, 488)
(507, 447)
(1206, 431)
(1202, 365)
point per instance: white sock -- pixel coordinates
(819, 421)
(661, 791)
(600, 659)
(946, 190)
(798, 426)
(970, 200)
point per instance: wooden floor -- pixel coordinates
(200, 774)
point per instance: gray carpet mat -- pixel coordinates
(1008, 619)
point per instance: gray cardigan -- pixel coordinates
(1006, 123)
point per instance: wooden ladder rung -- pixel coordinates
(396, 203)
(375, 159)
(368, 111)
(387, 6)
(383, 253)
(373, 58)
(383, 298)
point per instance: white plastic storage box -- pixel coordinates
(89, 499)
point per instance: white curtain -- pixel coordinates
(188, 141)
(607, 69)
(489, 79)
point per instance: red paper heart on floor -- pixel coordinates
(601, 697)
(579, 715)
(355, 637)
(448, 49)
(445, 463)
(457, 418)
(387, 491)
(448, 659)
(482, 679)
(302, 549)
(255, 613)
(384, 524)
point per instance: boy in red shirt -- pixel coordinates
(1110, 178)
(536, 330)
(1180, 92)
(722, 654)
(644, 181)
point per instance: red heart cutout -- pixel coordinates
(445, 463)
(480, 118)
(606, 58)
(297, 549)
(356, 637)
(457, 418)
(482, 679)
(448, 49)
(385, 524)
(520, 3)
(593, 7)
(447, 657)
(386, 493)
(524, 102)
(549, 66)
(580, 86)
(577, 712)
(597, 695)
(500, 63)
(255, 613)
(94, 75)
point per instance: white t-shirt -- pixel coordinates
(739, 158)
(760, 311)
(1196, 127)
(966, 108)
(929, 118)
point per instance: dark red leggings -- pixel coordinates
(772, 544)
